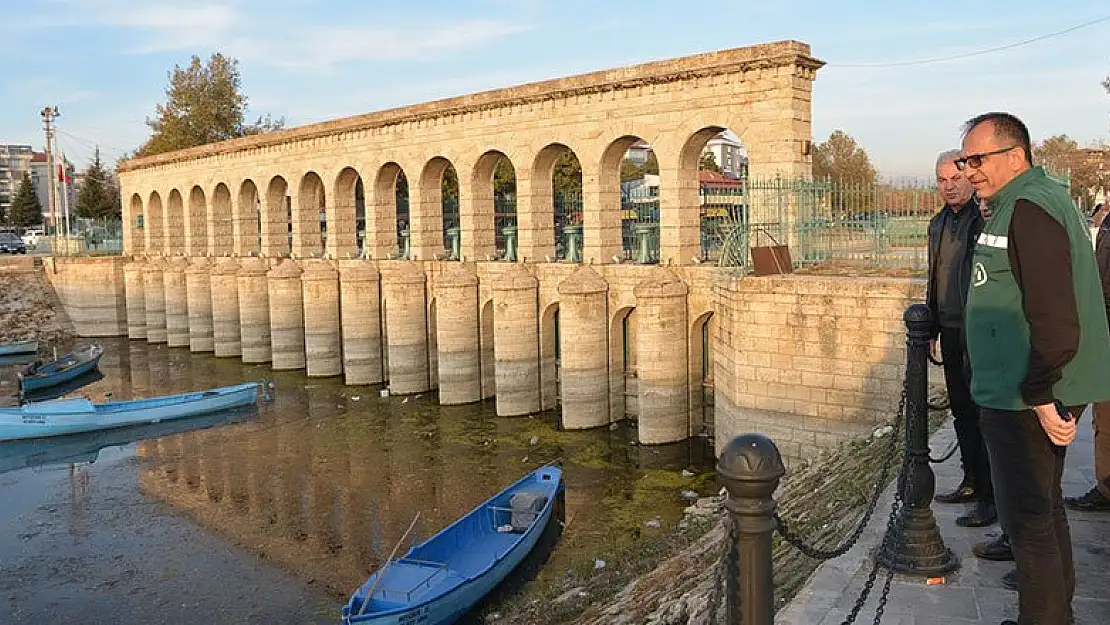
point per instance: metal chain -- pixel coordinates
(951, 452)
(884, 476)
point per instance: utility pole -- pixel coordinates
(49, 114)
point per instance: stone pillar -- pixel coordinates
(286, 316)
(198, 288)
(136, 300)
(407, 340)
(584, 351)
(322, 334)
(254, 311)
(177, 305)
(516, 345)
(154, 294)
(460, 367)
(360, 312)
(661, 359)
(224, 288)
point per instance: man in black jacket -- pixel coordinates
(952, 236)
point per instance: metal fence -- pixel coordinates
(88, 237)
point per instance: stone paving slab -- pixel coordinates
(973, 595)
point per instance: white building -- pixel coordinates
(729, 154)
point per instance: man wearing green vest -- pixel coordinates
(1039, 349)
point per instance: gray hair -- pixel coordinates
(947, 156)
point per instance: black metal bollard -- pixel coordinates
(915, 544)
(750, 468)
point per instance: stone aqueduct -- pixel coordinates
(228, 254)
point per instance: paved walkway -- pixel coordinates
(973, 594)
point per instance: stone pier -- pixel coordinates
(287, 327)
(136, 300)
(407, 338)
(322, 334)
(223, 283)
(198, 289)
(362, 330)
(661, 359)
(177, 305)
(516, 350)
(460, 371)
(154, 295)
(584, 348)
(254, 311)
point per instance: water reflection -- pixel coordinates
(326, 479)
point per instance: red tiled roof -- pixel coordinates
(38, 157)
(706, 176)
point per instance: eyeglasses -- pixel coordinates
(975, 161)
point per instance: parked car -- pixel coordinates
(31, 237)
(11, 244)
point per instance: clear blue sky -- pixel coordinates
(104, 62)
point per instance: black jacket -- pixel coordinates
(975, 226)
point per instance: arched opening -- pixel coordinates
(155, 226)
(348, 229)
(713, 176)
(277, 228)
(702, 335)
(436, 220)
(630, 167)
(174, 226)
(196, 225)
(549, 357)
(623, 388)
(433, 347)
(493, 221)
(485, 339)
(136, 225)
(403, 215)
(310, 227)
(389, 213)
(248, 238)
(221, 233)
(557, 183)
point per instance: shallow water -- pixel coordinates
(284, 509)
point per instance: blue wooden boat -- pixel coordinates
(38, 376)
(441, 579)
(69, 416)
(18, 347)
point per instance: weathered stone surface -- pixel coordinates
(360, 310)
(322, 332)
(516, 350)
(198, 288)
(287, 327)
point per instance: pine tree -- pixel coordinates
(97, 198)
(25, 210)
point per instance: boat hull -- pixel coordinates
(19, 347)
(60, 417)
(448, 607)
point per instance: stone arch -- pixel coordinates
(389, 213)
(633, 204)
(310, 227)
(136, 226)
(622, 364)
(196, 223)
(174, 225)
(248, 220)
(277, 229)
(435, 214)
(486, 341)
(155, 225)
(492, 208)
(433, 345)
(555, 217)
(715, 204)
(348, 216)
(701, 381)
(549, 357)
(221, 222)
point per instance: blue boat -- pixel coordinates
(18, 347)
(441, 579)
(38, 376)
(69, 416)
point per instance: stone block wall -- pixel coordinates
(92, 292)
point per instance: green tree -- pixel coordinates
(204, 104)
(25, 210)
(567, 177)
(630, 170)
(1058, 154)
(98, 196)
(841, 160)
(450, 184)
(504, 178)
(708, 162)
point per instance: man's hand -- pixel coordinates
(1059, 431)
(984, 210)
